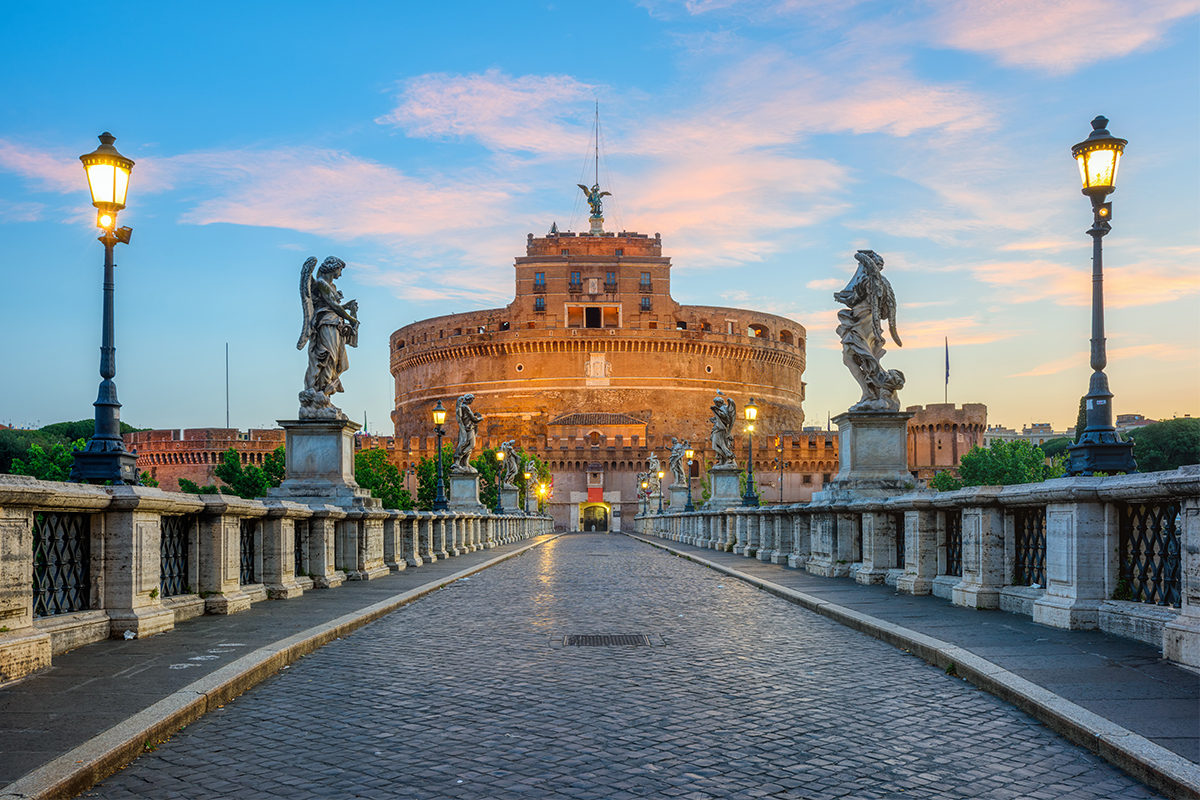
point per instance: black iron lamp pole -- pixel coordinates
(645, 497)
(689, 453)
(660, 477)
(439, 416)
(499, 509)
(750, 498)
(1099, 448)
(105, 458)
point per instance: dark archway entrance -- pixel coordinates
(595, 518)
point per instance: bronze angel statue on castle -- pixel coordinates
(594, 196)
(330, 326)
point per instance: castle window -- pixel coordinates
(503, 326)
(539, 281)
(594, 436)
(644, 285)
(610, 281)
(576, 282)
(566, 252)
(539, 304)
(620, 252)
(592, 317)
(786, 337)
(758, 332)
(645, 304)
(807, 480)
(680, 325)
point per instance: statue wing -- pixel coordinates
(586, 190)
(605, 194)
(306, 302)
(889, 302)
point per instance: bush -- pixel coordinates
(1167, 445)
(373, 471)
(1002, 464)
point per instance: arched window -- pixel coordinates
(594, 438)
(786, 337)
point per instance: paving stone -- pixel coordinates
(748, 697)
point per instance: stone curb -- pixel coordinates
(102, 755)
(1152, 764)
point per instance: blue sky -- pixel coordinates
(766, 141)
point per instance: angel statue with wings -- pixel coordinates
(870, 301)
(329, 327)
(723, 418)
(593, 197)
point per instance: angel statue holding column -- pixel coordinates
(330, 326)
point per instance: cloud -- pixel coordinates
(54, 171)
(1155, 352)
(1054, 35)
(524, 114)
(826, 283)
(20, 212)
(1148, 282)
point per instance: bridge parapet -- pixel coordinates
(83, 563)
(1121, 553)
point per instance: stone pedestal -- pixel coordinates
(873, 449)
(725, 491)
(1079, 537)
(510, 498)
(464, 493)
(679, 492)
(983, 568)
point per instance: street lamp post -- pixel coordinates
(439, 417)
(661, 474)
(527, 475)
(750, 498)
(105, 457)
(688, 454)
(1099, 448)
(779, 453)
(499, 482)
(541, 497)
(645, 497)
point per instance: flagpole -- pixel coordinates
(946, 395)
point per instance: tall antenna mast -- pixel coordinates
(597, 135)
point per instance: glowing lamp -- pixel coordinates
(689, 453)
(439, 414)
(108, 178)
(499, 456)
(751, 411)
(1098, 157)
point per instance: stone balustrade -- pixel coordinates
(82, 563)
(1121, 554)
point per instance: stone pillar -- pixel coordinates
(464, 492)
(878, 546)
(983, 570)
(510, 499)
(279, 549)
(823, 541)
(220, 553)
(393, 541)
(725, 492)
(23, 648)
(768, 535)
(322, 533)
(411, 529)
(753, 542)
(455, 545)
(920, 548)
(678, 497)
(848, 544)
(439, 535)
(1078, 537)
(801, 540)
(781, 521)
(1181, 636)
(489, 532)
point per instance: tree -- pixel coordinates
(53, 464)
(1056, 447)
(1002, 464)
(427, 478)
(245, 481)
(189, 487)
(487, 466)
(1167, 445)
(375, 472)
(274, 465)
(1081, 418)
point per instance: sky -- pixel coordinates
(765, 140)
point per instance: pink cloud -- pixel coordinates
(1055, 35)
(1155, 352)
(1147, 282)
(502, 112)
(56, 172)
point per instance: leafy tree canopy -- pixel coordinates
(375, 472)
(487, 466)
(16, 444)
(1002, 464)
(1167, 445)
(53, 464)
(1056, 447)
(248, 481)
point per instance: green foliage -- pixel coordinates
(945, 481)
(1167, 445)
(247, 481)
(188, 487)
(81, 429)
(53, 464)
(146, 480)
(487, 466)
(1005, 463)
(16, 444)
(274, 465)
(427, 478)
(375, 472)
(1056, 447)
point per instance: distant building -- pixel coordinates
(168, 455)
(1131, 422)
(1037, 433)
(941, 434)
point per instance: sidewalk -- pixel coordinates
(92, 711)
(1122, 700)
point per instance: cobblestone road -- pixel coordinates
(470, 693)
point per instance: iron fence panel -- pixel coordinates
(62, 569)
(1030, 541)
(1149, 548)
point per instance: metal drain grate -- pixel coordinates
(607, 640)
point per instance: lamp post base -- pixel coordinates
(105, 460)
(1100, 451)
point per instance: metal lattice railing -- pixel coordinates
(62, 556)
(301, 533)
(1149, 552)
(246, 572)
(954, 543)
(1030, 543)
(174, 555)
(898, 524)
